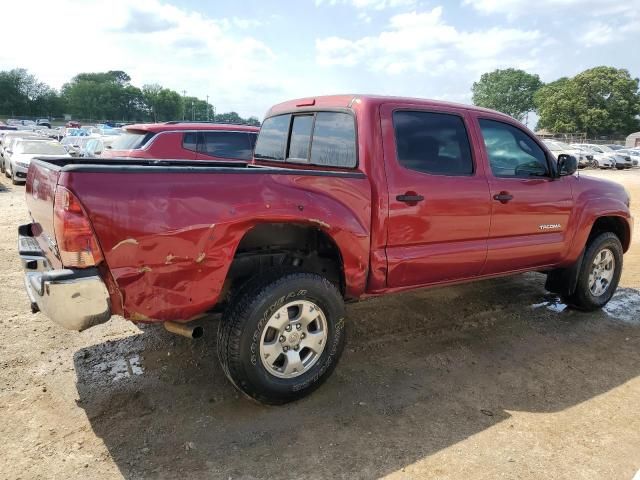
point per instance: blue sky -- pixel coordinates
(248, 55)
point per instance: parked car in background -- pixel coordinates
(22, 124)
(43, 122)
(600, 160)
(72, 124)
(7, 138)
(93, 147)
(557, 147)
(74, 145)
(23, 150)
(620, 161)
(184, 140)
(614, 146)
(633, 153)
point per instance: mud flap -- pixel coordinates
(563, 281)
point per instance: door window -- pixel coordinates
(435, 143)
(511, 152)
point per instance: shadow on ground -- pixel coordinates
(421, 372)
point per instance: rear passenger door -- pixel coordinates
(439, 208)
(225, 146)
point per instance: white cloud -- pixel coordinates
(515, 8)
(369, 4)
(598, 34)
(153, 41)
(424, 42)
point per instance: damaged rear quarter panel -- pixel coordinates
(169, 238)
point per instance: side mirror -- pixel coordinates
(567, 165)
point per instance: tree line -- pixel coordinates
(105, 96)
(598, 101)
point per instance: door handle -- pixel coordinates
(503, 197)
(410, 198)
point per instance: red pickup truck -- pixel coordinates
(346, 197)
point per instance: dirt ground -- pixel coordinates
(481, 381)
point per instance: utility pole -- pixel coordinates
(193, 111)
(207, 108)
(184, 106)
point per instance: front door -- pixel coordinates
(439, 208)
(530, 207)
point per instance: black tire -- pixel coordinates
(582, 298)
(245, 320)
(595, 164)
(1, 165)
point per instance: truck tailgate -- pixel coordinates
(40, 190)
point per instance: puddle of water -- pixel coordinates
(625, 306)
(119, 368)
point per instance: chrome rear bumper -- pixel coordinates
(73, 298)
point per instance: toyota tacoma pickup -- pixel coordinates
(346, 197)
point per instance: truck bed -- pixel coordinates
(169, 229)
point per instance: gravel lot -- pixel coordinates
(486, 380)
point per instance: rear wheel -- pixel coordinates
(595, 164)
(281, 337)
(599, 273)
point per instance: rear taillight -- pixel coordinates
(76, 241)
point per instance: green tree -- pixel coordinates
(253, 121)
(509, 91)
(168, 105)
(229, 117)
(104, 96)
(150, 95)
(599, 101)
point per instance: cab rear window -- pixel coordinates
(317, 138)
(132, 139)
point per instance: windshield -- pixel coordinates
(40, 148)
(132, 139)
(604, 148)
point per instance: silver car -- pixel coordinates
(621, 161)
(557, 147)
(23, 150)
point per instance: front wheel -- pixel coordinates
(599, 273)
(281, 337)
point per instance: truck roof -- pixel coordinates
(347, 100)
(164, 126)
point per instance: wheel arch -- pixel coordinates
(302, 245)
(615, 224)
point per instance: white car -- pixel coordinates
(620, 160)
(23, 150)
(7, 137)
(599, 160)
(557, 147)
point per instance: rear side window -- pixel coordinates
(132, 139)
(226, 145)
(320, 138)
(273, 138)
(190, 141)
(434, 143)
